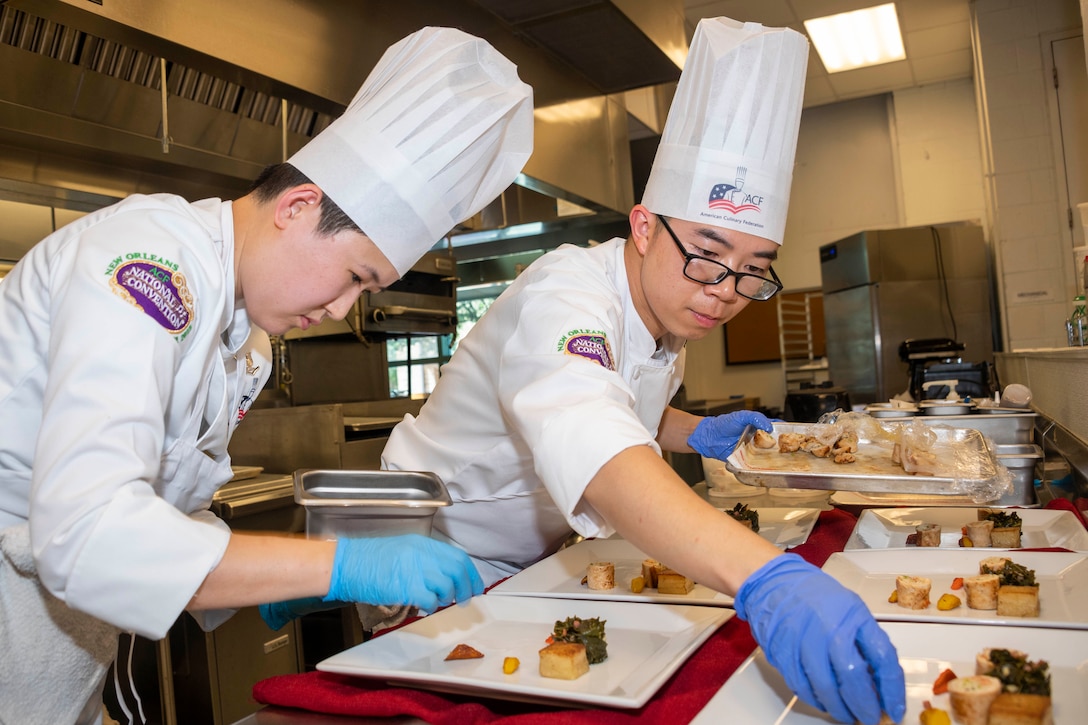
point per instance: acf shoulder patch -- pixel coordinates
(157, 287)
(590, 344)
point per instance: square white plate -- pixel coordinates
(858, 499)
(889, 528)
(756, 693)
(560, 576)
(646, 644)
(1062, 579)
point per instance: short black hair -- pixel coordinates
(278, 178)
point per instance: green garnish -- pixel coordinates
(1005, 519)
(1018, 675)
(742, 513)
(589, 632)
(1013, 574)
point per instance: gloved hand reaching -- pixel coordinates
(410, 569)
(716, 436)
(277, 614)
(823, 640)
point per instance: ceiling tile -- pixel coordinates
(773, 13)
(941, 39)
(922, 14)
(874, 79)
(818, 91)
(945, 67)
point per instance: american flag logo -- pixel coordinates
(721, 197)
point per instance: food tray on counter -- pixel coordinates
(873, 471)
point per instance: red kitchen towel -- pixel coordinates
(678, 701)
(1063, 504)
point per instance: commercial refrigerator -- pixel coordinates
(883, 287)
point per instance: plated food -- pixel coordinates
(1001, 585)
(1053, 598)
(647, 643)
(891, 528)
(756, 693)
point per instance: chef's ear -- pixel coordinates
(293, 201)
(643, 222)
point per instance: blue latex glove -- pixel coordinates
(277, 614)
(410, 569)
(716, 436)
(823, 640)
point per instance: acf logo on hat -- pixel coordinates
(732, 198)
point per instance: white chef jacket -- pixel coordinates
(558, 377)
(124, 367)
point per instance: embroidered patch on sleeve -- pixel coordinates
(590, 344)
(157, 288)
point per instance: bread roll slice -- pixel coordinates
(971, 698)
(982, 591)
(979, 532)
(601, 575)
(912, 591)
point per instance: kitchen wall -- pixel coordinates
(1029, 210)
(982, 149)
(908, 159)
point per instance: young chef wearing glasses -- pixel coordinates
(133, 341)
(552, 414)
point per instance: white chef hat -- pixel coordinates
(726, 154)
(439, 128)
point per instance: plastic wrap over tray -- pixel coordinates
(890, 457)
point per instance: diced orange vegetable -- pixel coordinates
(940, 685)
(510, 665)
(934, 716)
(947, 602)
(638, 584)
(894, 597)
(957, 583)
(550, 639)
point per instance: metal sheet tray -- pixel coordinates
(872, 472)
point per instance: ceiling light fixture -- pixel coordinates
(858, 38)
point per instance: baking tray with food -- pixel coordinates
(863, 454)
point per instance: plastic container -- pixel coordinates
(1077, 325)
(359, 504)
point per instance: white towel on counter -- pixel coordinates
(53, 659)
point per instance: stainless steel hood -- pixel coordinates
(249, 82)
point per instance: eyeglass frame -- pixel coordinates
(688, 257)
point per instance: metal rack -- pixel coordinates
(796, 342)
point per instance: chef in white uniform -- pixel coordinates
(553, 412)
(133, 341)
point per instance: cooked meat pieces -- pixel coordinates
(763, 439)
(847, 444)
(843, 457)
(790, 442)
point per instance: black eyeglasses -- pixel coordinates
(707, 271)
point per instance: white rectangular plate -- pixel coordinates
(756, 693)
(560, 576)
(855, 498)
(784, 527)
(646, 645)
(1062, 579)
(889, 528)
